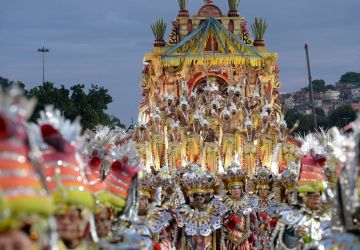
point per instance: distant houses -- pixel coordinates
(327, 98)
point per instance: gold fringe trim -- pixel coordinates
(212, 60)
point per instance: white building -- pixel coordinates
(332, 95)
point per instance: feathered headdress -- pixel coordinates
(311, 177)
(263, 178)
(22, 193)
(55, 131)
(124, 168)
(196, 180)
(235, 175)
(64, 169)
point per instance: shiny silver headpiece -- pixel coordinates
(13, 103)
(70, 131)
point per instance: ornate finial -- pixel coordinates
(208, 1)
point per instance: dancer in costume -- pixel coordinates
(141, 142)
(250, 150)
(175, 147)
(24, 202)
(160, 214)
(236, 229)
(201, 217)
(59, 141)
(265, 208)
(287, 152)
(344, 149)
(194, 139)
(157, 138)
(305, 227)
(287, 184)
(228, 137)
(211, 154)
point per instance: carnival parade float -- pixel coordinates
(211, 164)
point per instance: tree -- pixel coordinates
(89, 105)
(341, 116)
(6, 83)
(48, 94)
(350, 77)
(318, 85)
(306, 122)
(115, 122)
(329, 87)
(321, 118)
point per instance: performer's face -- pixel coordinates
(263, 193)
(143, 205)
(313, 200)
(15, 239)
(197, 200)
(235, 192)
(69, 225)
(103, 223)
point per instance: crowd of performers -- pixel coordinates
(61, 189)
(64, 189)
(296, 209)
(213, 125)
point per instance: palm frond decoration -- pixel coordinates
(159, 28)
(258, 28)
(183, 4)
(233, 4)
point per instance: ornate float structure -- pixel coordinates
(210, 95)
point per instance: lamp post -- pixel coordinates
(43, 50)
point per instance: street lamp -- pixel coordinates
(43, 50)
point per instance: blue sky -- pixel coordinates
(103, 42)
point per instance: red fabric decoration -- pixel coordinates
(3, 127)
(131, 171)
(232, 222)
(264, 216)
(157, 246)
(95, 152)
(273, 222)
(95, 162)
(117, 166)
(320, 160)
(47, 130)
(86, 231)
